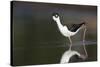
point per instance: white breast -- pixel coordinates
(64, 31)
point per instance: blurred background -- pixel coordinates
(36, 37)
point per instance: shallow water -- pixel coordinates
(49, 54)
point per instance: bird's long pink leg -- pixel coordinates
(84, 41)
(70, 43)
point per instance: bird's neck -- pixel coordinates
(59, 23)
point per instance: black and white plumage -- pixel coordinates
(75, 27)
(65, 30)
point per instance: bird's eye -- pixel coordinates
(56, 16)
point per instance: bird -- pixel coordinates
(65, 30)
(69, 32)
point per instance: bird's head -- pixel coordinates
(55, 16)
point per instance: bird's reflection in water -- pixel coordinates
(75, 58)
(89, 45)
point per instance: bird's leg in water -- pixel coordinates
(84, 41)
(70, 43)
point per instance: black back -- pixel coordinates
(75, 27)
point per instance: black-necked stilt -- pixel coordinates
(68, 32)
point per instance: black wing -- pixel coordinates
(75, 27)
